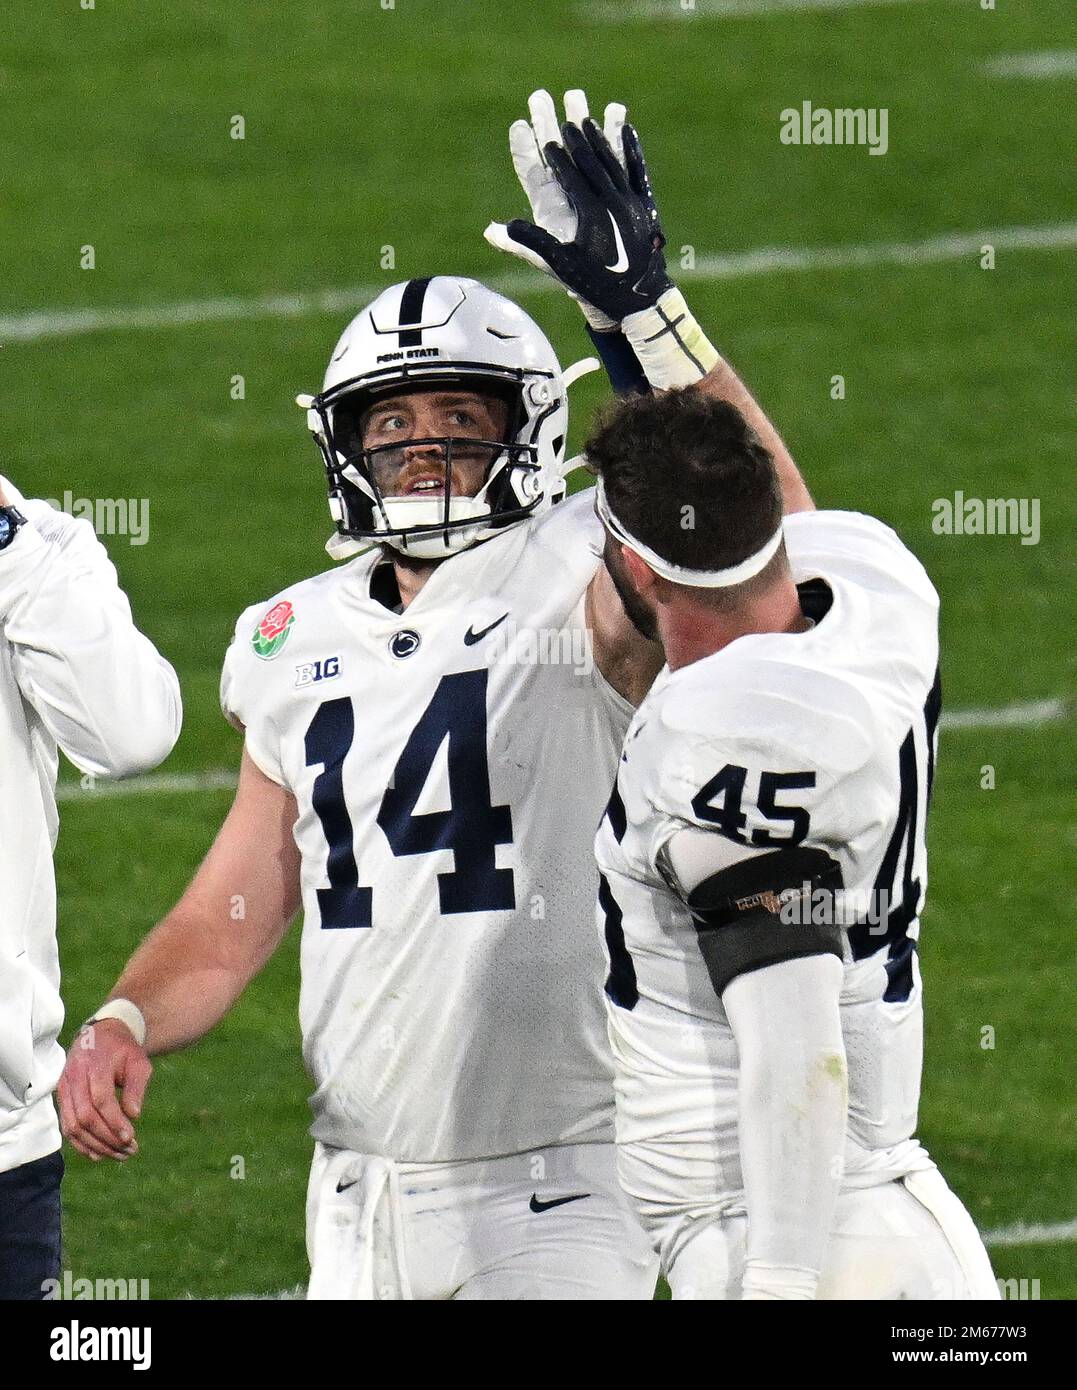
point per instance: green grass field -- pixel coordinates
(368, 128)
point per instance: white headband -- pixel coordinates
(697, 579)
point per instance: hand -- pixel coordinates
(103, 1058)
(596, 225)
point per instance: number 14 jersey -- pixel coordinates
(450, 764)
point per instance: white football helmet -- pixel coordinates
(442, 330)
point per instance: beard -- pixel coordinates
(639, 615)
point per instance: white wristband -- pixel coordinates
(672, 348)
(127, 1013)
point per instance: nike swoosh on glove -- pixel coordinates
(614, 260)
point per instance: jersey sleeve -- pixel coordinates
(242, 699)
(755, 769)
(747, 827)
(758, 800)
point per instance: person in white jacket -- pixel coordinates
(76, 674)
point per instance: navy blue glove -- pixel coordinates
(613, 260)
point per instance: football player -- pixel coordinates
(763, 870)
(431, 732)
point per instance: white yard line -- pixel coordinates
(765, 260)
(72, 323)
(165, 783)
(930, 251)
(1032, 713)
(1034, 66)
(1061, 1232)
(673, 11)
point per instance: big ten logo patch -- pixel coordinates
(311, 672)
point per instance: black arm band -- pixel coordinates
(621, 363)
(767, 910)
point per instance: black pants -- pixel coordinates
(30, 1227)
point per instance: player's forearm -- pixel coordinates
(189, 972)
(193, 966)
(724, 384)
(792, 1099)
(674, 352)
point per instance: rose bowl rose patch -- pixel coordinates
(272, 632)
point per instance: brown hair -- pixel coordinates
(687, 475)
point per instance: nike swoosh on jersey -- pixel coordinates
(621, 263)
(536, 1205)
(343, 1186)
(471, 636)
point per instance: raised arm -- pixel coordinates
(724, 384)
(192, 967)
(597, 230)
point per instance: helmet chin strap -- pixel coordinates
(339, 547)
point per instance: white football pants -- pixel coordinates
(552, 1224)
(910, 1238)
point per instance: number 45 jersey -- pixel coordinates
(450, 764)
(823, 739)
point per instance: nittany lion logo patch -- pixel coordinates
(404, 643)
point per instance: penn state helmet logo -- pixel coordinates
(404, 643)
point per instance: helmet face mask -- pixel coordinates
(516, 475)
(442, 522)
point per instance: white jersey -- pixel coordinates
(450, 764)
(824, 738)
(76, 674)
